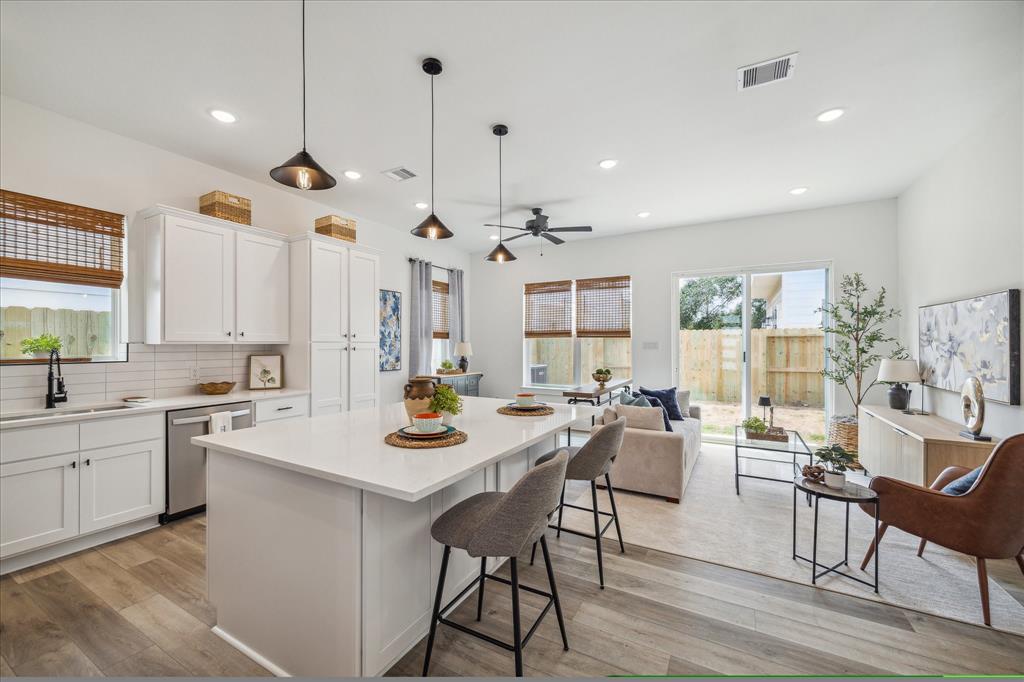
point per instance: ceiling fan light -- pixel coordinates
(432, 228)
(500, 254)
(303, 172)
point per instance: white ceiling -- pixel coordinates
(650, 84)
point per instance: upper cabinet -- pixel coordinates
(197, 279)
(363, 299)
(328, 283)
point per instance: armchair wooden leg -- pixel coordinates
(920, 547)
(1020, 562)
(983, 586)
(871, 548)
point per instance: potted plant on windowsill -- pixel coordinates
(447, 402)
(836, 461)
(40, 346)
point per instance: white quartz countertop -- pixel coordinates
(349, 447)
(75, 412)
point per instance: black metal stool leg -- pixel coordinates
(615, 513)
(597, 534)
(480, 590)
(554, 591)
(533, 553)
(437, 608)
(561, 505)
(517, 641)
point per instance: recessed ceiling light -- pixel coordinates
(608, 163)
(797, 191)
(643, 214)
(422, 205)
(353, 175)
(830, 115)
(494, 237)
(223, 116)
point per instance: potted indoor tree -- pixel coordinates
(447, 402)
(836, 461)
(855, 326)
(40, 346)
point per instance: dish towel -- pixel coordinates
(220, 422)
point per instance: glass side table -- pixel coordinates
(778, 452)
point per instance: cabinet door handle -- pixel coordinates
(229, 333)
(344, 336)
(353, 335)
(88, 462)
(74, 465)
(345, 348)
(241, 333)
(282, 409)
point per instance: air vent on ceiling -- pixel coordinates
(399, 174)
(763, 73)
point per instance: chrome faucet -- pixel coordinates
(60, 395)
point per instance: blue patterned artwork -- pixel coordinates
(390, 330)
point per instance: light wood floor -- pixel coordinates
(136, 607)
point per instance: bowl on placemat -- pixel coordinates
(525, 399)
(216, 387)
(427, 422)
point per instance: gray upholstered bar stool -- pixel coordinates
(494, 524)
(589, 462)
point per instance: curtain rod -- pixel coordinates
(439, 267)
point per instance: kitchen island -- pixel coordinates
(319, 555)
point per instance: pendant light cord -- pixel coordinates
(500, 222)
(303, 75)
(433, 209)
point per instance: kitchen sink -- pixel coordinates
(61, 413)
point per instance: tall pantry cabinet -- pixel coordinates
(334, 323)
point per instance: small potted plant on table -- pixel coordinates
(836, 461)
(40, 346)
(447, 402)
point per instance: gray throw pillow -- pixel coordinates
(635, 400)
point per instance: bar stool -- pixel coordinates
(589, 462)
(494, 524)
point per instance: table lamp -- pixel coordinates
(764, 402)
(465, 350)
(899, 373)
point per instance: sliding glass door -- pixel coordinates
(752, 333)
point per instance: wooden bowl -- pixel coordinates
(216, 387)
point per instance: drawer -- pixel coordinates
(99, 433)
(282, 408)
(37, 441)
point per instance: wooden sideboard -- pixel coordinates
(914, 448)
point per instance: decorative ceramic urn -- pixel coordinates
(418, 393)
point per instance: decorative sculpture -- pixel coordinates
(972, 401)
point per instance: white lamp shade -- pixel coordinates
(899, 371)
(464, 348)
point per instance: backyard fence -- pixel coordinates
(785, 364)
(84, 333)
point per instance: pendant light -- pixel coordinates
(301, 170)
(432, 227)
(500, 253)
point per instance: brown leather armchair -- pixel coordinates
(986, 522)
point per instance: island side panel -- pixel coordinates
(284, 566)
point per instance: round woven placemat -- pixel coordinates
(399, 441)
(516, 412)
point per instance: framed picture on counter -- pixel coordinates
(265, 372)
(390, 330)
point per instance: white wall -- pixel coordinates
(52, 156)
(856, 238)
(961, 233)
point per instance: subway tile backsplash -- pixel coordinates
(161, 371)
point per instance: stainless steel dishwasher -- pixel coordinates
(186, 463)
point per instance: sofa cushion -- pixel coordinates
(648, 418)
(668, 399)
(634, 399)
(683, 398)
(664, 413)
(964, 483)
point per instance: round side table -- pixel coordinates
(851, 493)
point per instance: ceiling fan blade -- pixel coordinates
(506, 227)
(553, 240)
(524, 234)
(576, 228)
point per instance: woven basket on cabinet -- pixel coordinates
(226, 207)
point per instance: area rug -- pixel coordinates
(753, 531)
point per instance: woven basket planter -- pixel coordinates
(843, 431)
(226, 207)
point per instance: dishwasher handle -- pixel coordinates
(204, 418)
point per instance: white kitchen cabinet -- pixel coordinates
(329, 378)
(328, 291)
(121, 483)
(364, 306)
(38, 502)
(198, 282)
(261, 289)
(282, 408)
(363, 370)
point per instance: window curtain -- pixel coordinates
(603, 307)
(456, 318)
(421, 317)
(547, 309)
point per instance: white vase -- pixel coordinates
(447, 418)
(835, 481)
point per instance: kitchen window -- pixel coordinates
(439, 313)
(62, 270)
(573, 327)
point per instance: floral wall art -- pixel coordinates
(390, 330)
(973, 337)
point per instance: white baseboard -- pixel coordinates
(251, 653)
(38, 556)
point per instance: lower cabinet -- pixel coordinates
(38, 502)
(120, 484)
(363, 370)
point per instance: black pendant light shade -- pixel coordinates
(301, 171)
(500, 253)
(432, 227)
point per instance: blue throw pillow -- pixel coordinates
(635, 400)
(962, 484)
(654, 402)
(668, 400)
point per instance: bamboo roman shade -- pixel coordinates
(547, 309)
(53, 241)
(440, 308)
(603, 307)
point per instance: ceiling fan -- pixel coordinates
(538, 227)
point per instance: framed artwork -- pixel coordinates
(265, 372)
(977, 337)
(390, 330)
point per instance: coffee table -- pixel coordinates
(783, 452)
(850, 493)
